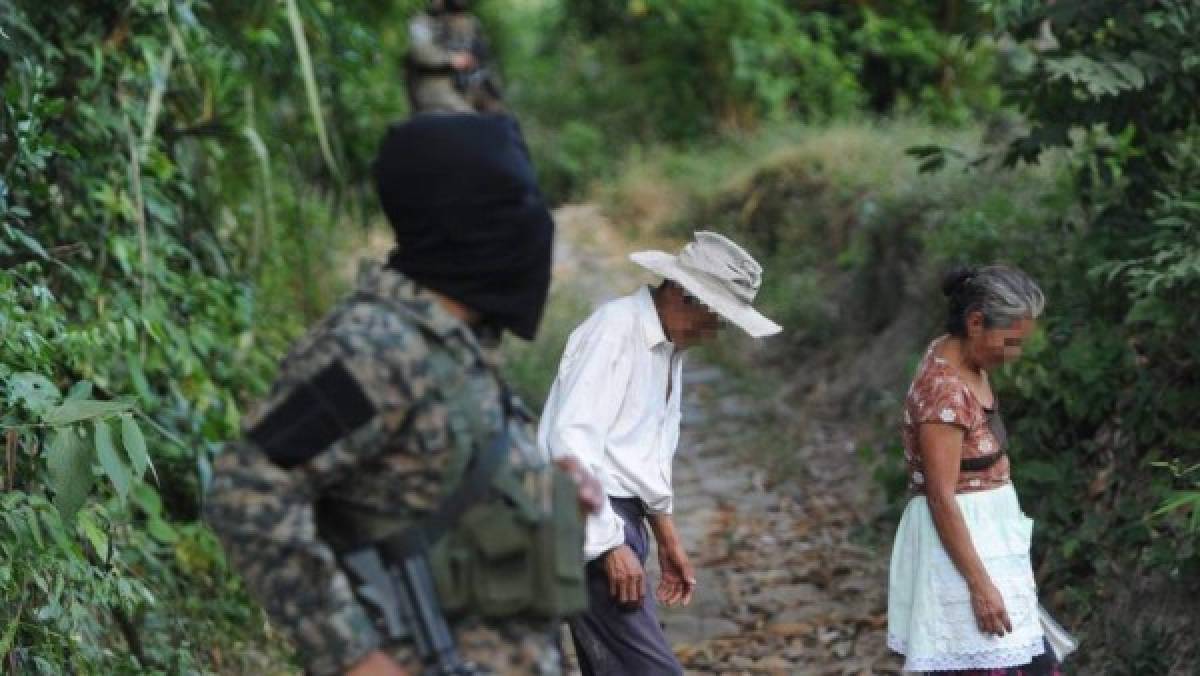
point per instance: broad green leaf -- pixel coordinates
(138, 376)
(80, 391)
(135, 446)
(35, 526)
(205, 471)
(10, 631)
(69, 464)
(94, 533)
(53, 523)
(110, 462)
(145, 497)
(162, 531)
(76, 410)
(1132, 74)
(34, 390)
(1178, 501)
(1022, 60)
(29, 242)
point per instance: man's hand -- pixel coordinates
(589, 492)
(626, 578)
(377, 663)
(462, 61)
(678, 578)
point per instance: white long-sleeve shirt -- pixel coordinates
(615, 405)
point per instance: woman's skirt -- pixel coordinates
(930, 618)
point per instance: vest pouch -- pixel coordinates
(560, 587)
(450, 560)
(502, 572)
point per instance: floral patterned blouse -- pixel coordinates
(939, 395)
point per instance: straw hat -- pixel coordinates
(720, 274)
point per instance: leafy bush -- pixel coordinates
(644, 72)
(177, 181)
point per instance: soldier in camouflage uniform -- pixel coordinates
(366, 405)
(449, 67)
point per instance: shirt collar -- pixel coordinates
(652, 329)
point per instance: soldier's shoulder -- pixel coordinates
(359, 328)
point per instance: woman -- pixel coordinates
(962, 597)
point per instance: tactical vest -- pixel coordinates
(518, 551)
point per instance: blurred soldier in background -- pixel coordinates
(449, 67)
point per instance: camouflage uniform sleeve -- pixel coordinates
(265, 516)
(423, 47)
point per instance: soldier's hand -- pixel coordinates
(588, 489)
(626, 578)
(462, 61)
(377, 664)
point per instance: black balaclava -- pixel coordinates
(461, 194)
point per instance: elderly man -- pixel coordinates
(615, 405)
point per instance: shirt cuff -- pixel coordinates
(605, 531)
(662, 506)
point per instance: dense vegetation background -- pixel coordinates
(180, 177)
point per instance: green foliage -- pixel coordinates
(177, 178)
(612, 74)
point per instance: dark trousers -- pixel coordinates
(611, 640)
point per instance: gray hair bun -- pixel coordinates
(1003, 294)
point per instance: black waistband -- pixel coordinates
(980, 463)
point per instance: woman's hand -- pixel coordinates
(990, 613)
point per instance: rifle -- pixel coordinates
(406, 599)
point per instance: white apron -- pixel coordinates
(930, 620)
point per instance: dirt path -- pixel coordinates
(782, 589)
(785, 589)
